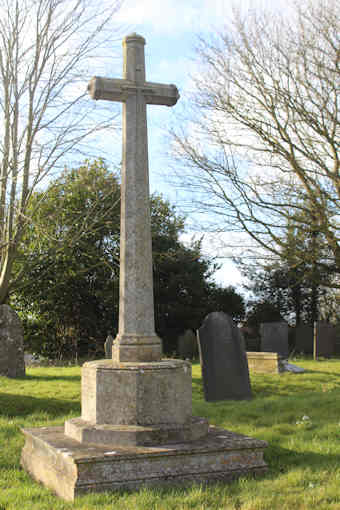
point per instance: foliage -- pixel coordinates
(184, 295)
(45, 47)
(68, 272)
(302, 454)
(298, 284)
(184, 292)
(67, 287)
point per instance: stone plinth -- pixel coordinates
(71, 468)
(136, 393)
(136, 403)
(264, 362)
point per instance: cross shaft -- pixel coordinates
(136, 340)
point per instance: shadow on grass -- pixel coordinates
(333, 374)
(12, 405)
(282, 460)
(49, 378)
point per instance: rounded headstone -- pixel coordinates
(12, 363)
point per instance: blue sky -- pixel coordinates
(170, 28)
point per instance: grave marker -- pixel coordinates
(274, 337)
(108, 347)
(136, 427)
(223, 359)
(12, 363)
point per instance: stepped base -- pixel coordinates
(135, 435)
(71, 468)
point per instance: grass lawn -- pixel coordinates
(298, 414)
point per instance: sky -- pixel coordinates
(171, 29)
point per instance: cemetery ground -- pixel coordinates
(298, 414)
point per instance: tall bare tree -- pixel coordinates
(45, 46)
(261, 148)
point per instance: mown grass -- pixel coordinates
(303, 454)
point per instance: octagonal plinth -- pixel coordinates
(136, 403)
(136, 393)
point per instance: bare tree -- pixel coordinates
(45, 46)
(260, 152)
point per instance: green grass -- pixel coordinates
(303, 455)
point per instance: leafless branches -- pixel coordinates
(44, 50)
(261, 150)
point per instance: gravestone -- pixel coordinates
(223, 359)
(136, 428)
(274, 337)
(325, 340)
(108, 347)
(187, 345)
(264, 363)
(304, 338)
(12, 363)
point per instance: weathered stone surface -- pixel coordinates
(71, 468)
(136, 435)
(12, 362)
(130, 402)
(136, 393)
(187, 347)
(136, 339)
(223, 359)
(135, 397)
(264, 362)
(274, 337)
(108, 347)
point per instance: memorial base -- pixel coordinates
(71, 468)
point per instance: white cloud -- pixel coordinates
(159, 15)
(172, 16)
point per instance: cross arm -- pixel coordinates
(113, 89)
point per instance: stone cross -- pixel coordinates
(136, 340)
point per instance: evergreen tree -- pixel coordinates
(67, 285)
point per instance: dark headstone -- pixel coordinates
(187, 345)
(274, 337)
(108, 347)
(12, 362)
(325, 340)
(223, 359)
(304, 338)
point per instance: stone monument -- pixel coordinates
(108, 347)
(187, 345)
(324, 341)
(274, 337)
(223, 359)
(304, 338)
(136, 427)
(12, 363)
